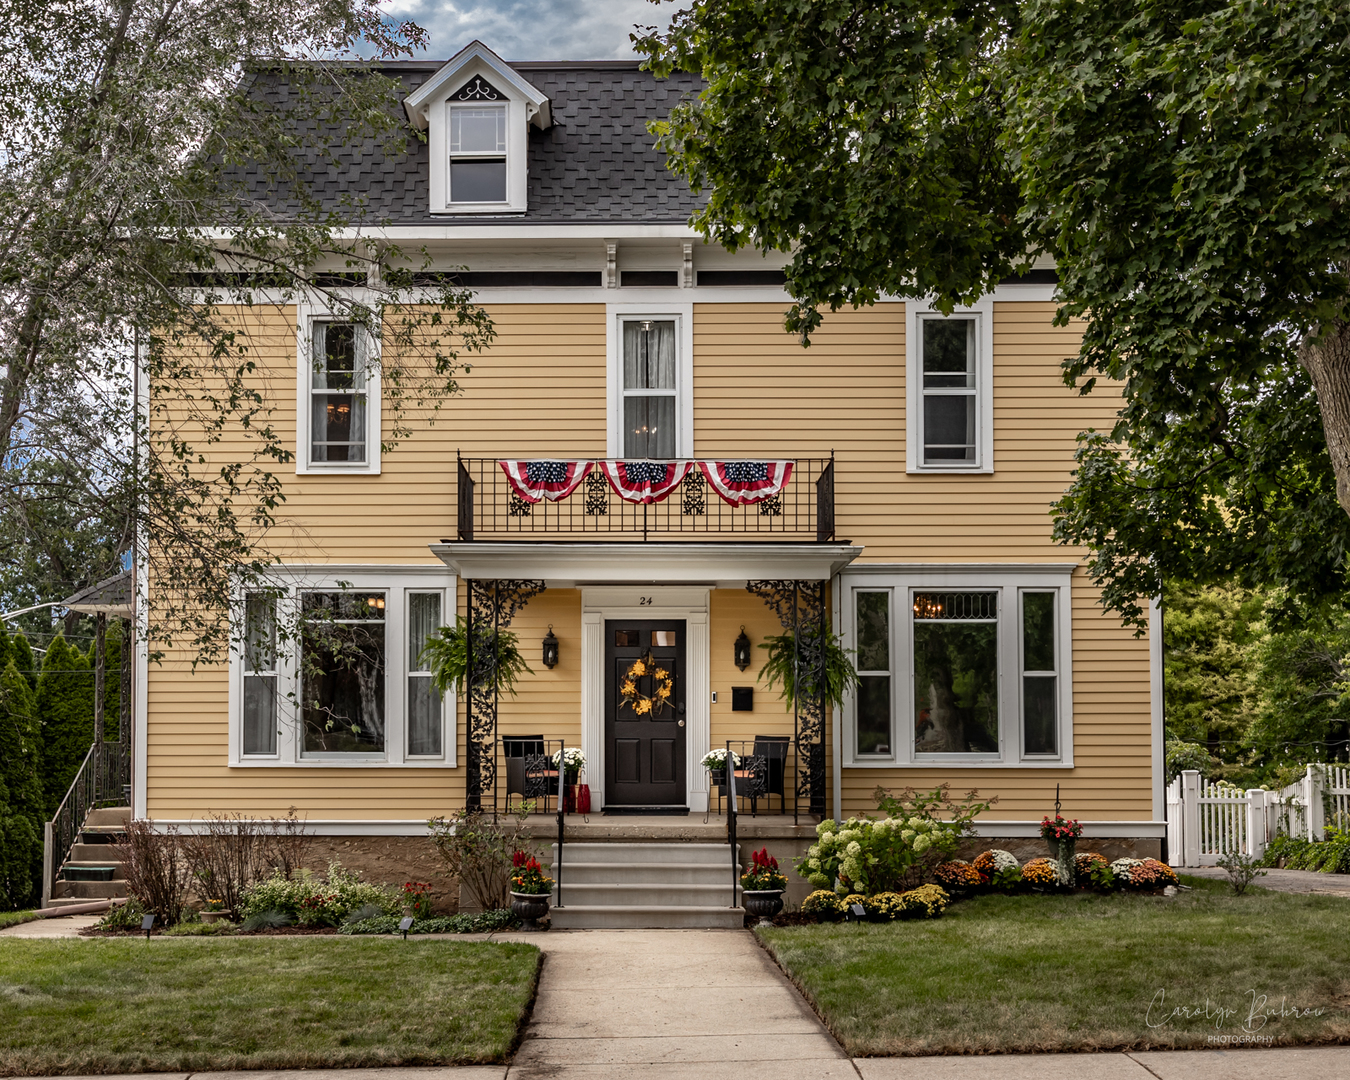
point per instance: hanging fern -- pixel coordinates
(778, 669)
(447, 657)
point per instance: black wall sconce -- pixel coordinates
(741, 651)
(550, 648)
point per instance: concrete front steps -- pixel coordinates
(94, 869)
(645, 886)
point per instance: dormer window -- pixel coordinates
(477, 153)
(477, 111)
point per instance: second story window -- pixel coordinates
(338, 394)
(477, 153)
(649, 391)
(950, 408)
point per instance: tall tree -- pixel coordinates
(22, 805)
(1184, 161)
(131, 233)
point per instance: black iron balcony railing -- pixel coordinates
(489, 509)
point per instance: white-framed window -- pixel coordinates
(338, 396)
(327, 670)
(958, 667)
(949, 389)
(650, 382)
(477, 141)
(259, 677)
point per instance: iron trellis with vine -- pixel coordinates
(492, 605)
(800, 607)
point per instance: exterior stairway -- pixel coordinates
(629, 886)
(94, 869)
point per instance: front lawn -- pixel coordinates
(14, 918)
(128, 1005)
(1081, 972)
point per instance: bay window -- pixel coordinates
(342, 662)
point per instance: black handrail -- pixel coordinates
(562, 780)
(731, 822)
(100, 781)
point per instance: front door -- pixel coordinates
(644, 713)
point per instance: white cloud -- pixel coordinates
(532, 29)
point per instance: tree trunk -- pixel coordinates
(1327, 360)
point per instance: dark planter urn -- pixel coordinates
(529, 908)
(762, 903)
(1063, 850)
(717, 777)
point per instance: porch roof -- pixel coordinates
(652, 563)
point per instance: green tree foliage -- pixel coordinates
(22, 806)
(1185, 164)
(65, 709)
(21, 652)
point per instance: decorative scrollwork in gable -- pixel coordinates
(477, 89)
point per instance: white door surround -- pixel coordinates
(646, 602)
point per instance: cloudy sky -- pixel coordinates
(534, 29)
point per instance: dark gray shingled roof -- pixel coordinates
(595, 163)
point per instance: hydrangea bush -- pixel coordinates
(868, 855)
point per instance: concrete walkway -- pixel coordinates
(68, 926)
(634, 1004)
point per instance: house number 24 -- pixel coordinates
(644, 601)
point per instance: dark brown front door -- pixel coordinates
(644, 713)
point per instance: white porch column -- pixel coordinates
(698, 717)
(1190, 817)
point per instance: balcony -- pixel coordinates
(491, 509)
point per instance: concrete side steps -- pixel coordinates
(89, 890)
(95, 854)
(628, 917)
(108, 815)
(647, 895)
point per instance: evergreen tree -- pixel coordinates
(112, 663)
(22, 654)
(65, 710)
(22, 803)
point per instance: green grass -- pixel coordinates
(1081, 972)
(14, 918)
(128, 1005)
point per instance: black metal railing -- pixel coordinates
(528, 766)
(488, 509)
(101, 781)
(731, 828)
(765, 776)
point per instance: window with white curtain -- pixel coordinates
(260, 675)
(424, 703)
(650, 393)
(338, 393)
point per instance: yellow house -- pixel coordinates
(645, 471)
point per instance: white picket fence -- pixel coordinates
(1204, 821)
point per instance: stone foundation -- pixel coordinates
(1026, 847)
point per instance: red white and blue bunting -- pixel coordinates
(551, 480)
(737, 483)
(740, 483)
(645, 481)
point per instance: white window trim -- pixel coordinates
(307, 314)
(518, 115)
(395, 582)
(1009, 581)
(616, 316)
(983, 312)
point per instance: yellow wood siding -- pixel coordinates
(541, 389)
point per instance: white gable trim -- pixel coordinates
(503, 76)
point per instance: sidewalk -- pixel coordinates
(1290, 881)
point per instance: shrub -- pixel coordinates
(267, 920)
(867, 855)
(999, 868)
(311, 901)
(1143, 873)
(156, 870)
(763, 873)
(122, 917)
(416, 899)
(925, 902)
(1330, 856)
(1242, 869)
(479, 853)
(1181, 756)
(477, 922)
(825, 906)
(233, 852)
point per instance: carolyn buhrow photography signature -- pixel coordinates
(1250, 1017)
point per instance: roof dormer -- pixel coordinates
(476, 111)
